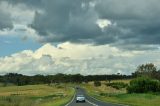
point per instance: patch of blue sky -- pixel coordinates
(10, 45)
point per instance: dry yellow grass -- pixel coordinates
(30, 90)
(36, 95)
(105, 89)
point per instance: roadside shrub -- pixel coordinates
(117, 85)
(143, 85)
(97, 83)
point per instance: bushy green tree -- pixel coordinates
(143, 85)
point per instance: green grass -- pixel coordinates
(109, 94)
(131, 99)
(35, 95)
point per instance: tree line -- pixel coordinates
(19, 79)
(145, 70)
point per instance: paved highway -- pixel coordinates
(89, 100)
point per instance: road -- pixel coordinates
(89, 100)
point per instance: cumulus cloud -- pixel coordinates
(72, 58)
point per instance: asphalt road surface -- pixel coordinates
(89, 100)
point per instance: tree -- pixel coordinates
(146, 70)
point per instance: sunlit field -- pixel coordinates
(35, 95)
(109, 94)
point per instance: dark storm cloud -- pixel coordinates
(137, 21)
(139, 17)
(133, 22)
(5, 21)
(67, 21)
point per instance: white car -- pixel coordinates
(80, 98)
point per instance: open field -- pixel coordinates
(35, 95)
(110, 94)
(60, 94)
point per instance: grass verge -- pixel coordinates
(109, 94)
(35, 95)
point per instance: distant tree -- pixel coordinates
(149, 70)
(19, 79)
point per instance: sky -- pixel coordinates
(78, 36)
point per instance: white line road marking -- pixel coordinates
(91, 103)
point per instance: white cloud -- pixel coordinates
(76, 58)
(102, 23)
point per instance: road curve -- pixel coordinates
(89, 100)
